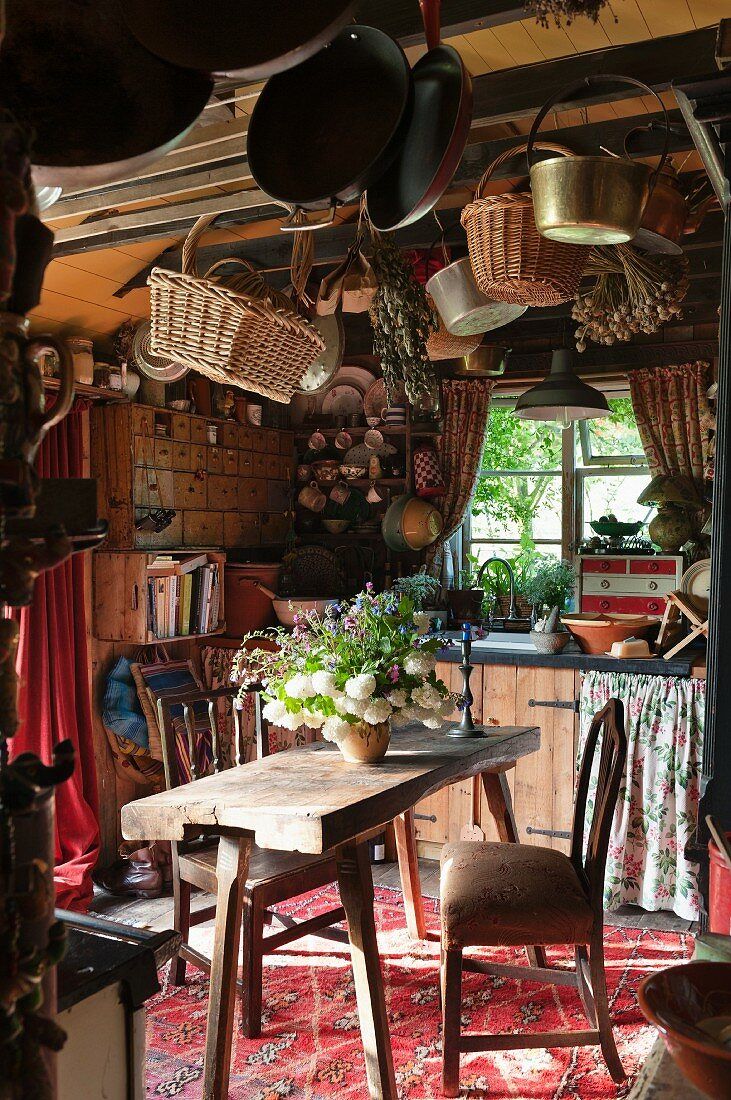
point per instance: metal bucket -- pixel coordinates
(488, 361)
(465, 310)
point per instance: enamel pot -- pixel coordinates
(411, 524)
(465, 310)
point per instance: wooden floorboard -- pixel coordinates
(157, 913)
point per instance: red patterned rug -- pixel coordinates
(311, 1047)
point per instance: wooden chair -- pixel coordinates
(496, 895)
(273, 876)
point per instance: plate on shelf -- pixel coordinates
(313, 570)
(375, 400)
(342, 400)
(360, 454)
(357, 376)
(696, 583)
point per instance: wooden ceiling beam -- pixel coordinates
(402, 18)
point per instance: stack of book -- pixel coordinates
(183, 595)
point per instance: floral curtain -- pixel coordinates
(674, 417)
(657, 809)
(466, 403)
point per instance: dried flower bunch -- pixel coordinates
(634, 292)
(367, 661)
(402, 321)
(565, 11)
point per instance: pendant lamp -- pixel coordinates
(562, 396)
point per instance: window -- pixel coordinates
(539, 487)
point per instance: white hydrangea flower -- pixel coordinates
(432, 723)
(273, 711)
(314, 719)
(412, 664)
(377, 711)
(361, 686)
(299, 686)
(446, 707)
(398, 698)
(335, 729)
(292, 720)
(422, 622)
(348, 705)
(323, 683)
(426, 695)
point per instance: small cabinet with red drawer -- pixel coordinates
(627, 584)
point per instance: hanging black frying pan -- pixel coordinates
(99, 104)
(325, 130)
(436, 136)
(236, 38)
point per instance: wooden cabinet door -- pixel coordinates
(214, 460)
(271, 441)
(143, 420)
(286, 468)
(143, 448)
(274, 529)
(164, 454)
(272, 466)
(198, 457)
(120, 612)
(189, 490)
(223, 492)
(153, 488)
(286, 443)
(202, 528)
(277, 496)
(181, 456)
(169, 539)
(245, 438)
(259, 464)
(252, 494)
(197, 429)
(230, 461)
(259, 439)
(246, 464)
(241, 529)
(229, 434)
(181, 427)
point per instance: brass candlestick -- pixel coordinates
(466, 727)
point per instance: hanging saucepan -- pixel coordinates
(234, 38)
(318, 377)
(487, 361)
(325, 130)
(436, 136)
(462, 306)
(595, 200)
(411, 524)
(666, 210)
(99, 104)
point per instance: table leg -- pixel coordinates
(356, 893)
(231, 871)
(500, 805)
(408, 865)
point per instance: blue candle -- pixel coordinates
(466, 632)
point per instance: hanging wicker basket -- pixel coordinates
(238, 332)
(510, 260)
(443, 344)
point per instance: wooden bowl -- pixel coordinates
(595, 633)
(676, 1000)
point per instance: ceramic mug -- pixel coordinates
(304, 473)
(310, 497)
(253, 415)
(373, 439)
(317, 442)
(340, 492)
(373, 496)
(343, 441)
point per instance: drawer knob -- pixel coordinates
(605, 584)
(653, 606)
(605, 605)
(605, 566)
(652, 585)
(654, 567)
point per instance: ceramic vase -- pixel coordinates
(366, 744)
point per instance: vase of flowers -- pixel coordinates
(365, 664)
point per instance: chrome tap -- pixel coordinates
(513, 612)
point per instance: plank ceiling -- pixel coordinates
(78, 294)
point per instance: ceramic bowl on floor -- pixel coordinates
(687, 1004)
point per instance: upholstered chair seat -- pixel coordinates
(510, 896)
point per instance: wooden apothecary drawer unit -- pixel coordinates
(225, 494)
(626, 584)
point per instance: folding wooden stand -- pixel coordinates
(678, 604)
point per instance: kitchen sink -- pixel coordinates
(498, 640)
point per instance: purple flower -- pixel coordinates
(393, 674)
(369, 586)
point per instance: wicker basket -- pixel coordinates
(443, 344)
(510, 260)
(251, 338)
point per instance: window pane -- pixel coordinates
(515, 444)
(510, 550)
(616, 434)
(514, 507)
(615, 494)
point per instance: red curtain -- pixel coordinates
(54, 701)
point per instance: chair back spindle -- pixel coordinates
(589, 846)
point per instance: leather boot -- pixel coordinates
(134, 877)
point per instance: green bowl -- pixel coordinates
(615, 530)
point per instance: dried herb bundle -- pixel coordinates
(402, 321)
(565, 11)
(634, 292)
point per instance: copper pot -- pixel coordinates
(664, 217)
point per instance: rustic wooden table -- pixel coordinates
(311, 800)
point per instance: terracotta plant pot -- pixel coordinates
(366, 744)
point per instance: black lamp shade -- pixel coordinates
(562, 396)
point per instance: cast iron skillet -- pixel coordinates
(435, 139)
(236, 38)
(328, 128)
(100, 105)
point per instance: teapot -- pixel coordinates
(24, 419)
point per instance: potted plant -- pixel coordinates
(548, 634)
(465, 600)
(550, 583)
(421, 588)
(366, 663)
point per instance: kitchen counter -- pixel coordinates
(506, 648)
